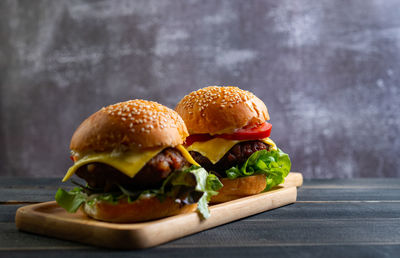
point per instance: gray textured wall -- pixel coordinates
(327, 70)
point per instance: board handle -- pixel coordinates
(293, 179)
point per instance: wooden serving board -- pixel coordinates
(50, 219)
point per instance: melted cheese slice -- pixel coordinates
(216, 148)
(128, 163)
(186, 155)
(270, 142)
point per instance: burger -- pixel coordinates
(131, 156)
(229, 137)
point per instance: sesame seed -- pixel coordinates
(150, 114)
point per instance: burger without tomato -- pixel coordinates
(229, 136)
(136, 169)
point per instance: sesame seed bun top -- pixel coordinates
(131, 124)
(217, 110)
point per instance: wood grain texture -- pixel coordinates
(7, 212)
(254, 233)
(370, 183)
(349, 194)
(50, 219)
(298, 251)
(349, 228)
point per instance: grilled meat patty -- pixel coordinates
(237, 155)
(151, 176)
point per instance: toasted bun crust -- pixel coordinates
(140, 210)
(239, 187)
(216, 110)
(131, 124)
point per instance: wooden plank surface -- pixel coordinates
(254, 233)
(361, 225)
(349, 194)
(277, 250)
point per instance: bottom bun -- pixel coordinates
(239, 187)
(139, 210)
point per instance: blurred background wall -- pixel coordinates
(329, 72)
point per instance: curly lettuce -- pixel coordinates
(274, 164)
(191, 185)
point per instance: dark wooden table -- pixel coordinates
(332, 218)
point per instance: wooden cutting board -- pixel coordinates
(50, 219)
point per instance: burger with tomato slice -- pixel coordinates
(229, 136)
(131, 156)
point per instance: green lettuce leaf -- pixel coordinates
(274, 164)
(191, 185)
(207, 183)
(72, 200)
(211, 188)
(202, 186)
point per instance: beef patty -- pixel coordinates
(237, 155)
(151, 176)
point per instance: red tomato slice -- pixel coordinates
(260, 132)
